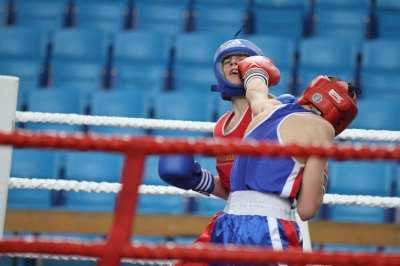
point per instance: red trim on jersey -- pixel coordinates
(296, 184)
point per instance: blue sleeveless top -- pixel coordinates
(278, 175)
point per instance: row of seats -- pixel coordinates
(356, 19)
(167, 105)
(144, 60)
(376, 178)
(92, 167)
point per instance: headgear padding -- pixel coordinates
(231, 47)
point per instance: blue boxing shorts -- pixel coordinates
(257, 219)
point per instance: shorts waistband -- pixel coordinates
(252, 202)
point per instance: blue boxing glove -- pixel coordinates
(182, 171)
(286, 98)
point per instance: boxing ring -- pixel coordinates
(117, 246)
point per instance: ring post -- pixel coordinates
(8, 107)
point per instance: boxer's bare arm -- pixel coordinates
(309, 129)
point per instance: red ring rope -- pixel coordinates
(206, 147)
(117, 245)
(202, 253)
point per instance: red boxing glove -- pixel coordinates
(261, 67)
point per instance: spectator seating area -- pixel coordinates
(154, 59)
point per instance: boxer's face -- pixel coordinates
(230, 68)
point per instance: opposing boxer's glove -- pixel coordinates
(286, 98)
(325, 184)
(258, 66)
(184, 172)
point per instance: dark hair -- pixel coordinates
(351, 89)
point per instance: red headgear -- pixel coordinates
(329, 96)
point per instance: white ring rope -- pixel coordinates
(348, 134)
(113, 121)
(25, 183)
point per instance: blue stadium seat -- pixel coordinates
(108, 16)
(223, 107)
(147, 77)
(281, 49)
(383, 118)
(184, 240)
(7, 261)
(381, 55)
(80, 44)
(206, 206)
(32, 163)
(343, 4)
(147, 240)
(388, 15)
(327, 56)
(161, 204)
(327, 52)
(360, 214)
(4, 14)
(197, 48)
(350, 248)
(286, 18)
(380, 84)
(193, 78)
(62, 262)
(46, 14)
(95, 167)
(120, 104)
(208, 18)
(169, 17)
(141, 46)
(55, 101)
(77, 74)
(23, 42)
(192, 51)
(397, 192)
(30, 74)
(380, 67)
(150, 175)
(182, 106)
(391, 250)
(339, 22)
(360, 178)
(221, 3)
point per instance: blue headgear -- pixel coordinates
(231, 47)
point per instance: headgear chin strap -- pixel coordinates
(231, 47)
(225, 95)
(330, 96)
